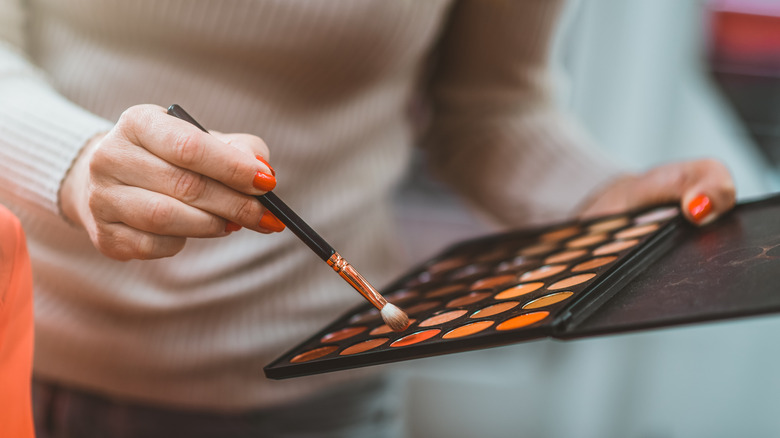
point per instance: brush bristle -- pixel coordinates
(394, 317)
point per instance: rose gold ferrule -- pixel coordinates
(353, 277)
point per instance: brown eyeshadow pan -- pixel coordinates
(446, 290)
(593, 263)
(491, 282)
(560, 234)
(588, 240)
(314, 354)
(547, 300)
(468, 299)
(340, 335)
(565, 256)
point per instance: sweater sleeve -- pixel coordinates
(496, 135)
(41, 132)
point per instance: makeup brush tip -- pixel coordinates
(394, 317)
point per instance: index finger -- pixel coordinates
(183, 145)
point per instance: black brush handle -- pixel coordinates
(275, 205)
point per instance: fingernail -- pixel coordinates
(262, 160)
(270, 222)
(263, 181)
(232, 226)
(700, 207)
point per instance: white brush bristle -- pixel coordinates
(394, 317)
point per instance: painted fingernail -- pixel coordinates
(700, 207)
(232, 226)
(263, 181)
(270, 222)
(262, 160)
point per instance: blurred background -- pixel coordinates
(652, 81)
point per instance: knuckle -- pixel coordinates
(186, 149)
(159, 212)
(188, 186)
(247, 211)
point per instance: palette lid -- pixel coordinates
(727, 269)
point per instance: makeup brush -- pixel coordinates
(394, 317)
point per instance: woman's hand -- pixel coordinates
(153, 181)
(703, 188)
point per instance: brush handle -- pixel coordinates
(275, 205)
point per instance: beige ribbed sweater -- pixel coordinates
(329, 87)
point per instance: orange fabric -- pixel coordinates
(16, 330)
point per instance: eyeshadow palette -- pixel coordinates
(629, 271)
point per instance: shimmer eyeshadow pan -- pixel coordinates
(566, 281)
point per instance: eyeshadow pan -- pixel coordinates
(565, 256)
(467, 330)
(385, 329)
(548, 300)
(401, 295)
(495, 309)
(443, 318)
(491, 282)
(446, 265)
(514, 264)
(366, 316)
(494, 255)
(538, 249)
(609, 224)
(560, 234)
(616, 246)
(340, 335)
(518, 290)
(637, 231)
(571, 281)
(446, 290)
(314, 354)
(522, 320)
(543, 272)
(594, 263)
(468, 299)
(587, 240)
(421, 307)
(415, 338)
(657, 215)
(469, 271)
(364, 346)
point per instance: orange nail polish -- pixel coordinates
(262, 160)
(263, 181)
(700, 207)
(270, 222)
(232, 226)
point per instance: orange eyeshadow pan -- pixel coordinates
(590, 239)
(571, 281)
(594, 263)
(495, 309)
(443, 318)
(467, 330)
(340, 335)
(565, 256)
(516, 291)
(360, 347)
(468, 299)
(314, 354)
(415, 338)
(641, 230)
(613, 247)
(548, 300)
(543, 272)
(522, 321)
(490, 282)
